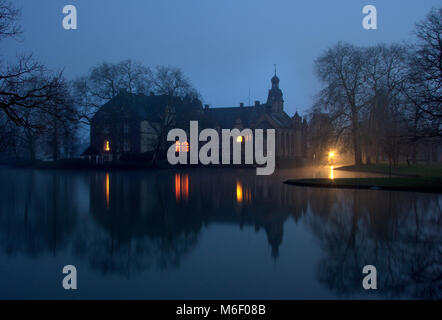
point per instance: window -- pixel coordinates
(182, 146)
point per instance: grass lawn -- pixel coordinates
(401, 184)
(417, 170)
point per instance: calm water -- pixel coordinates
(207, 234)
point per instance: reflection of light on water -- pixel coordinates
(185, 189)
(181, 186)
(242, 193)
(238, 192)
(107, 190)
(331, 175)
(177, 186)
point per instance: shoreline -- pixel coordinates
(386, 184)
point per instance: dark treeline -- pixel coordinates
(42, 112)
(383, 101)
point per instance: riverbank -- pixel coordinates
(398, 184)
(422, 178)
(80, 164)
(77, 164)
(415, 170)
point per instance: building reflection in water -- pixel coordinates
(181, 186)
(146, 228)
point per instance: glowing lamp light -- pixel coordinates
(107, 145)
(239, 139)
(107, 190)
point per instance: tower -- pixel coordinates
(275, 98)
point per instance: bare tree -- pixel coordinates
(60, 123)
(104, 82)
(424, 88)
(384, 74)
(8, 133)
(340, 69)
(9, 27)
(171, 81)
(25, 84)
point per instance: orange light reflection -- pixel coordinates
(107, 190)
(181, 187)
(239, 195)
(331, 175)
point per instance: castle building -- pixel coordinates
(290, 131)
(135, 123)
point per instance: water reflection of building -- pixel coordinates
(144, 227)
(354, 227)
(214, 198)
(181, 186)
(129, 124)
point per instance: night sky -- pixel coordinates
(226, 47)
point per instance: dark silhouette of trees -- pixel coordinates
(384, 100)
(25, 84)
(340, 69)
(32, 98)
(171, 81)
(9, 26)
(424, 88)
(104, 81)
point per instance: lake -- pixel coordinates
(213, 234)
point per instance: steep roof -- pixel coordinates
(249, 116)
(148, 107)
(152, 106)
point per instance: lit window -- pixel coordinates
(182, 146)
(106, 145)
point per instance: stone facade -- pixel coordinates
(129, 123)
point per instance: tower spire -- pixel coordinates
(275, 68)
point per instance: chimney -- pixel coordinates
(257, 103)
(241, 105)
(206, 106)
